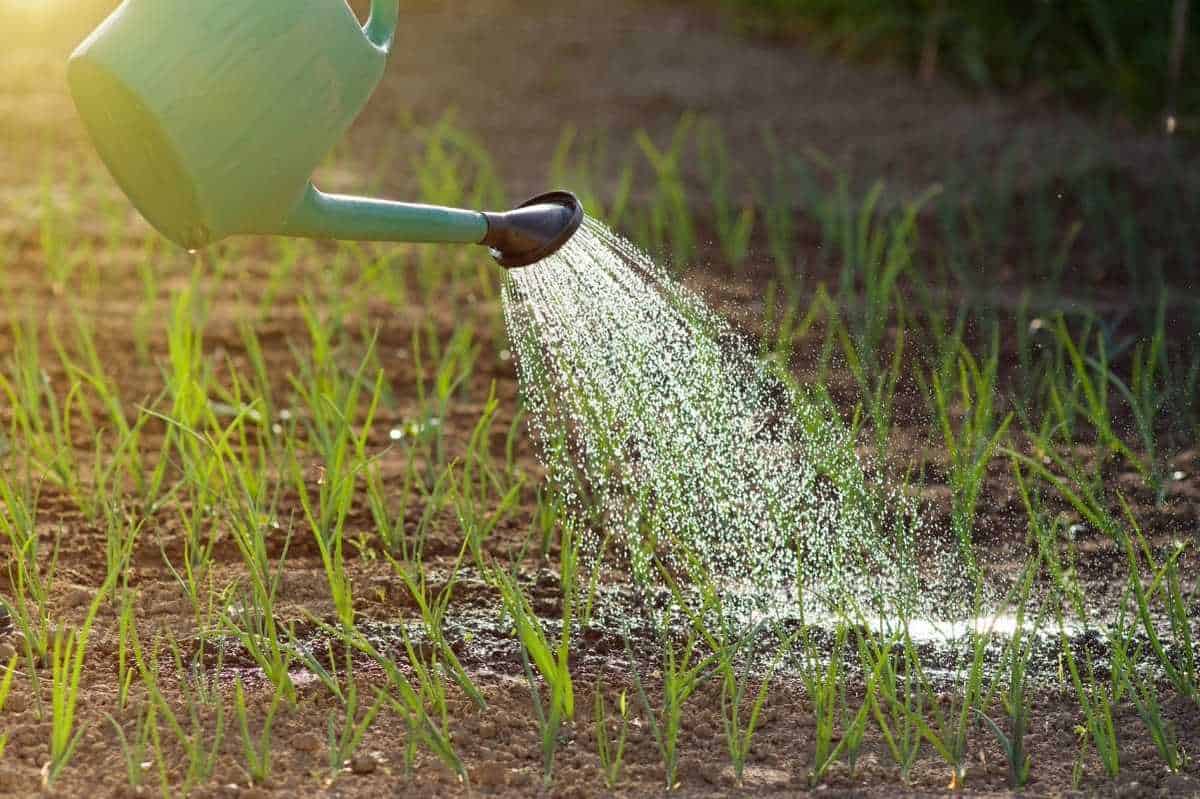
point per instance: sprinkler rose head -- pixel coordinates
(534, 229)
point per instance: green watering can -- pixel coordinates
(213, 114)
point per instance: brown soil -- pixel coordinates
(516, 72)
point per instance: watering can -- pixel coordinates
(213, 114)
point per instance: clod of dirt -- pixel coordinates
(1181, 785)
(714, 774)
(14, 781)
(77, 596)
(490, 775)
(306, 742)
(365, 764)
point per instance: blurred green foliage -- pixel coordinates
(1115, 52)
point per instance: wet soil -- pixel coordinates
(608, 66)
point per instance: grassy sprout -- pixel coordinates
(6, 683)
(136, 749)
(824, 678)
(683, 671)
(610, 751)
(582, 162)
(1015, 700)
(256, 752)
(970, 385)
(734, 221)
(552, 664)
(343, 738)
(667, 226)
(895, 702)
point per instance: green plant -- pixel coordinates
(972, 386)
(585, 168)
(30, 573)
(333, 403)
(888, 662)
(43, 422)
(134, 752)
(1144, 694)
(433, 613)
(552, 663)
(734, 223)
(5, 687)
(199, 697)
(823, 678)
(739, 724)
(1018, 653)
(1165, 579)
(66, 670)
(1097, 699)
(1079, 493)
(412, 704)
(611, 752)
(667, 225)
(257, 753)
(250, 614)
(947, 730)
(779, 212)
(343, 741)
(683, 671)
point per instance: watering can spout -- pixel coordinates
(335, 216)
(534, 229)
(212, 115)
(527, 234)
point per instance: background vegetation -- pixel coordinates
(1139, 57)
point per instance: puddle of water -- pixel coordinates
(626, 618)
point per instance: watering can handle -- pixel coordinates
(381, 25)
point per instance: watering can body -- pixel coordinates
(213, 114)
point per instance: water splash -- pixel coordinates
(661, 428)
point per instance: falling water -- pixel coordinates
(660, 427)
